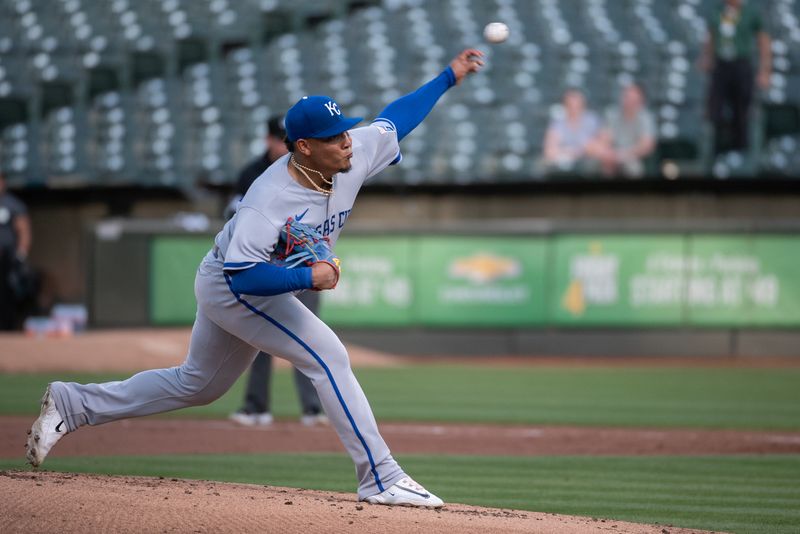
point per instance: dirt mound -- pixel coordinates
(58, 502)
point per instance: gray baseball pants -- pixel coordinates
(228, 332)
(257, 396)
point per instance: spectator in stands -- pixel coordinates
(15, 244)
(733, 31)
(256, 408)
(573, 142)
(630, 135)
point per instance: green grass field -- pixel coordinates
(733, 493)
(707, 398)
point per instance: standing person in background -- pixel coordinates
(256, 408)
(574, 142)
(631, 135)
(274, 149)
(15, 245)
(733, 32)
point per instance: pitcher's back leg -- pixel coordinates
(214, 362)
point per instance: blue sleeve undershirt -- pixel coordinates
(264, 279)
(407, 112)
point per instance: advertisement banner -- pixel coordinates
(375, 287)
(617, 280)
(481, 281)
(737, 281)
(567, 280)
(173, 264)
(779, 257)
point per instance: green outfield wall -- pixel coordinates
(173, 263)
(559, 280)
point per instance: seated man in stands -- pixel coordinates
(574, 141)
(629, 136)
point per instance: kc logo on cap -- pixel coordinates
(333, 107)
(317, 117)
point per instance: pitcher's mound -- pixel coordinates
(63, 502)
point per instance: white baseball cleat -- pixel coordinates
(45, 432)
(251, 419)
(406, 493)
(314, 419)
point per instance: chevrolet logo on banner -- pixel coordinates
(485, 267)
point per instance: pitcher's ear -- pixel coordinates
(303, 146)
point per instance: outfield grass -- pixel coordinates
(668, 397)
(740, 494)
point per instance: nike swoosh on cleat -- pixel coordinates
(423, 495)
(58, 427)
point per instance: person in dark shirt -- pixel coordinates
(734, 30)
(256, 408)
(15, 244)
(274, 148)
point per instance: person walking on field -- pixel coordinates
(246, 302)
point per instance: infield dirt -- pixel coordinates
(57, 502)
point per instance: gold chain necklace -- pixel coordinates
(303, 170)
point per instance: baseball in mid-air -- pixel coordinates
(495, 32)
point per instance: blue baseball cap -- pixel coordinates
(316, 116)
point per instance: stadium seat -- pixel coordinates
(225, 65)
(781, 120)
(682, 152)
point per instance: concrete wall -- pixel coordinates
(600, 342)
(614, 206)
(59, 250)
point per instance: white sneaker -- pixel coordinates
(48, 428)
(311, 419)
(251, 419)
(406, 493)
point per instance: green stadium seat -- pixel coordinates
(780, 120)
(256, 58)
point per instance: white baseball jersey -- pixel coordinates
(250, 236)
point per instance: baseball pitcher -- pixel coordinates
(278, 243)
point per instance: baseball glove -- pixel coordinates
(300, 244)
